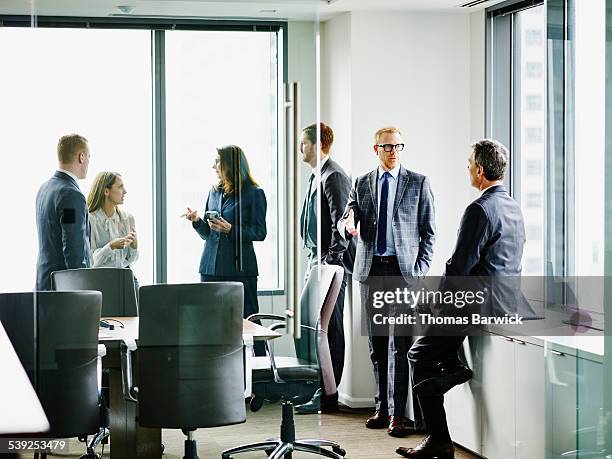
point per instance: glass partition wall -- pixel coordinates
(548, 68)
(156, 97)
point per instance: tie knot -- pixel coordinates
(386, 175)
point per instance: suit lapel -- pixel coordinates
(374, 189)
(219, 199)
(402, 183)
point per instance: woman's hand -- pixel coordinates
(219, 224)
(191, 215)
(131, 239)
(119, 243)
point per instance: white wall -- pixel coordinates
(336, 72)
(422, 72)
(412, 70)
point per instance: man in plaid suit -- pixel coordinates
(391, 213)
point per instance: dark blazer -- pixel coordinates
(222, 252)
(490, 246)
(334, 188)
(413, 223)
(63, 228)
(491, 237)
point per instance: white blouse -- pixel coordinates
(104, 229)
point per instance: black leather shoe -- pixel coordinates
(399, 427)
(313, 406)
(329, 403)
(440, 385)
(380, 420)
(429, 449)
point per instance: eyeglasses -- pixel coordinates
(388, 147)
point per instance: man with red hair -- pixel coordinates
(330, 185)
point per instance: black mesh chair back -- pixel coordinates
(55, 335)
(116, 285)
(190, 368)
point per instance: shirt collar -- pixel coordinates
(394, 172)
(103, 215)
(316, 171)
(70, 174)
(490, 186)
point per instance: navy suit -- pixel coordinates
(222, 252)
(231, 257)
(62, 221)
(489, 243)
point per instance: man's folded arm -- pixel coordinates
(471, 239)
(337, 189)
(72, 210)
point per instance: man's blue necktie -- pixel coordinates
(381, 240)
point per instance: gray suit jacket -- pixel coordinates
(413, 223)
(63, 228)
(490, 247)
(491, 237)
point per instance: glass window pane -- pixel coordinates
(221, 88)
(529, 146)
(588, 85)
(58, 81)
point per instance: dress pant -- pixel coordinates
(335, 330)
(251, 303)
(388, 351)
(424, 355)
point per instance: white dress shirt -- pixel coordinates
(390, 251)
(105, 229)
(70, 174)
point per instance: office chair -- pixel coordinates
(296, 379)
(189, 368)
(116, 285)
(55, 335)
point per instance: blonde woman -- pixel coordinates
(113, 231)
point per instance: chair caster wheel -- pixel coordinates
(339, 451)
(256, 404)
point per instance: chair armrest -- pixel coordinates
(258, 316)
(277, 325)
(130, 392)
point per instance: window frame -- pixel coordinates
(502, 99)
(157, 27)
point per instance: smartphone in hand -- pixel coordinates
(212, 214)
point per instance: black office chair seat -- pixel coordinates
(300, 380)
(295, 380)
(289, 369)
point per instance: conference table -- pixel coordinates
(128, 439)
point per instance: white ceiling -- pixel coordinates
(259, 9)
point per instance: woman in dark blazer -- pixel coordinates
(235, 216)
